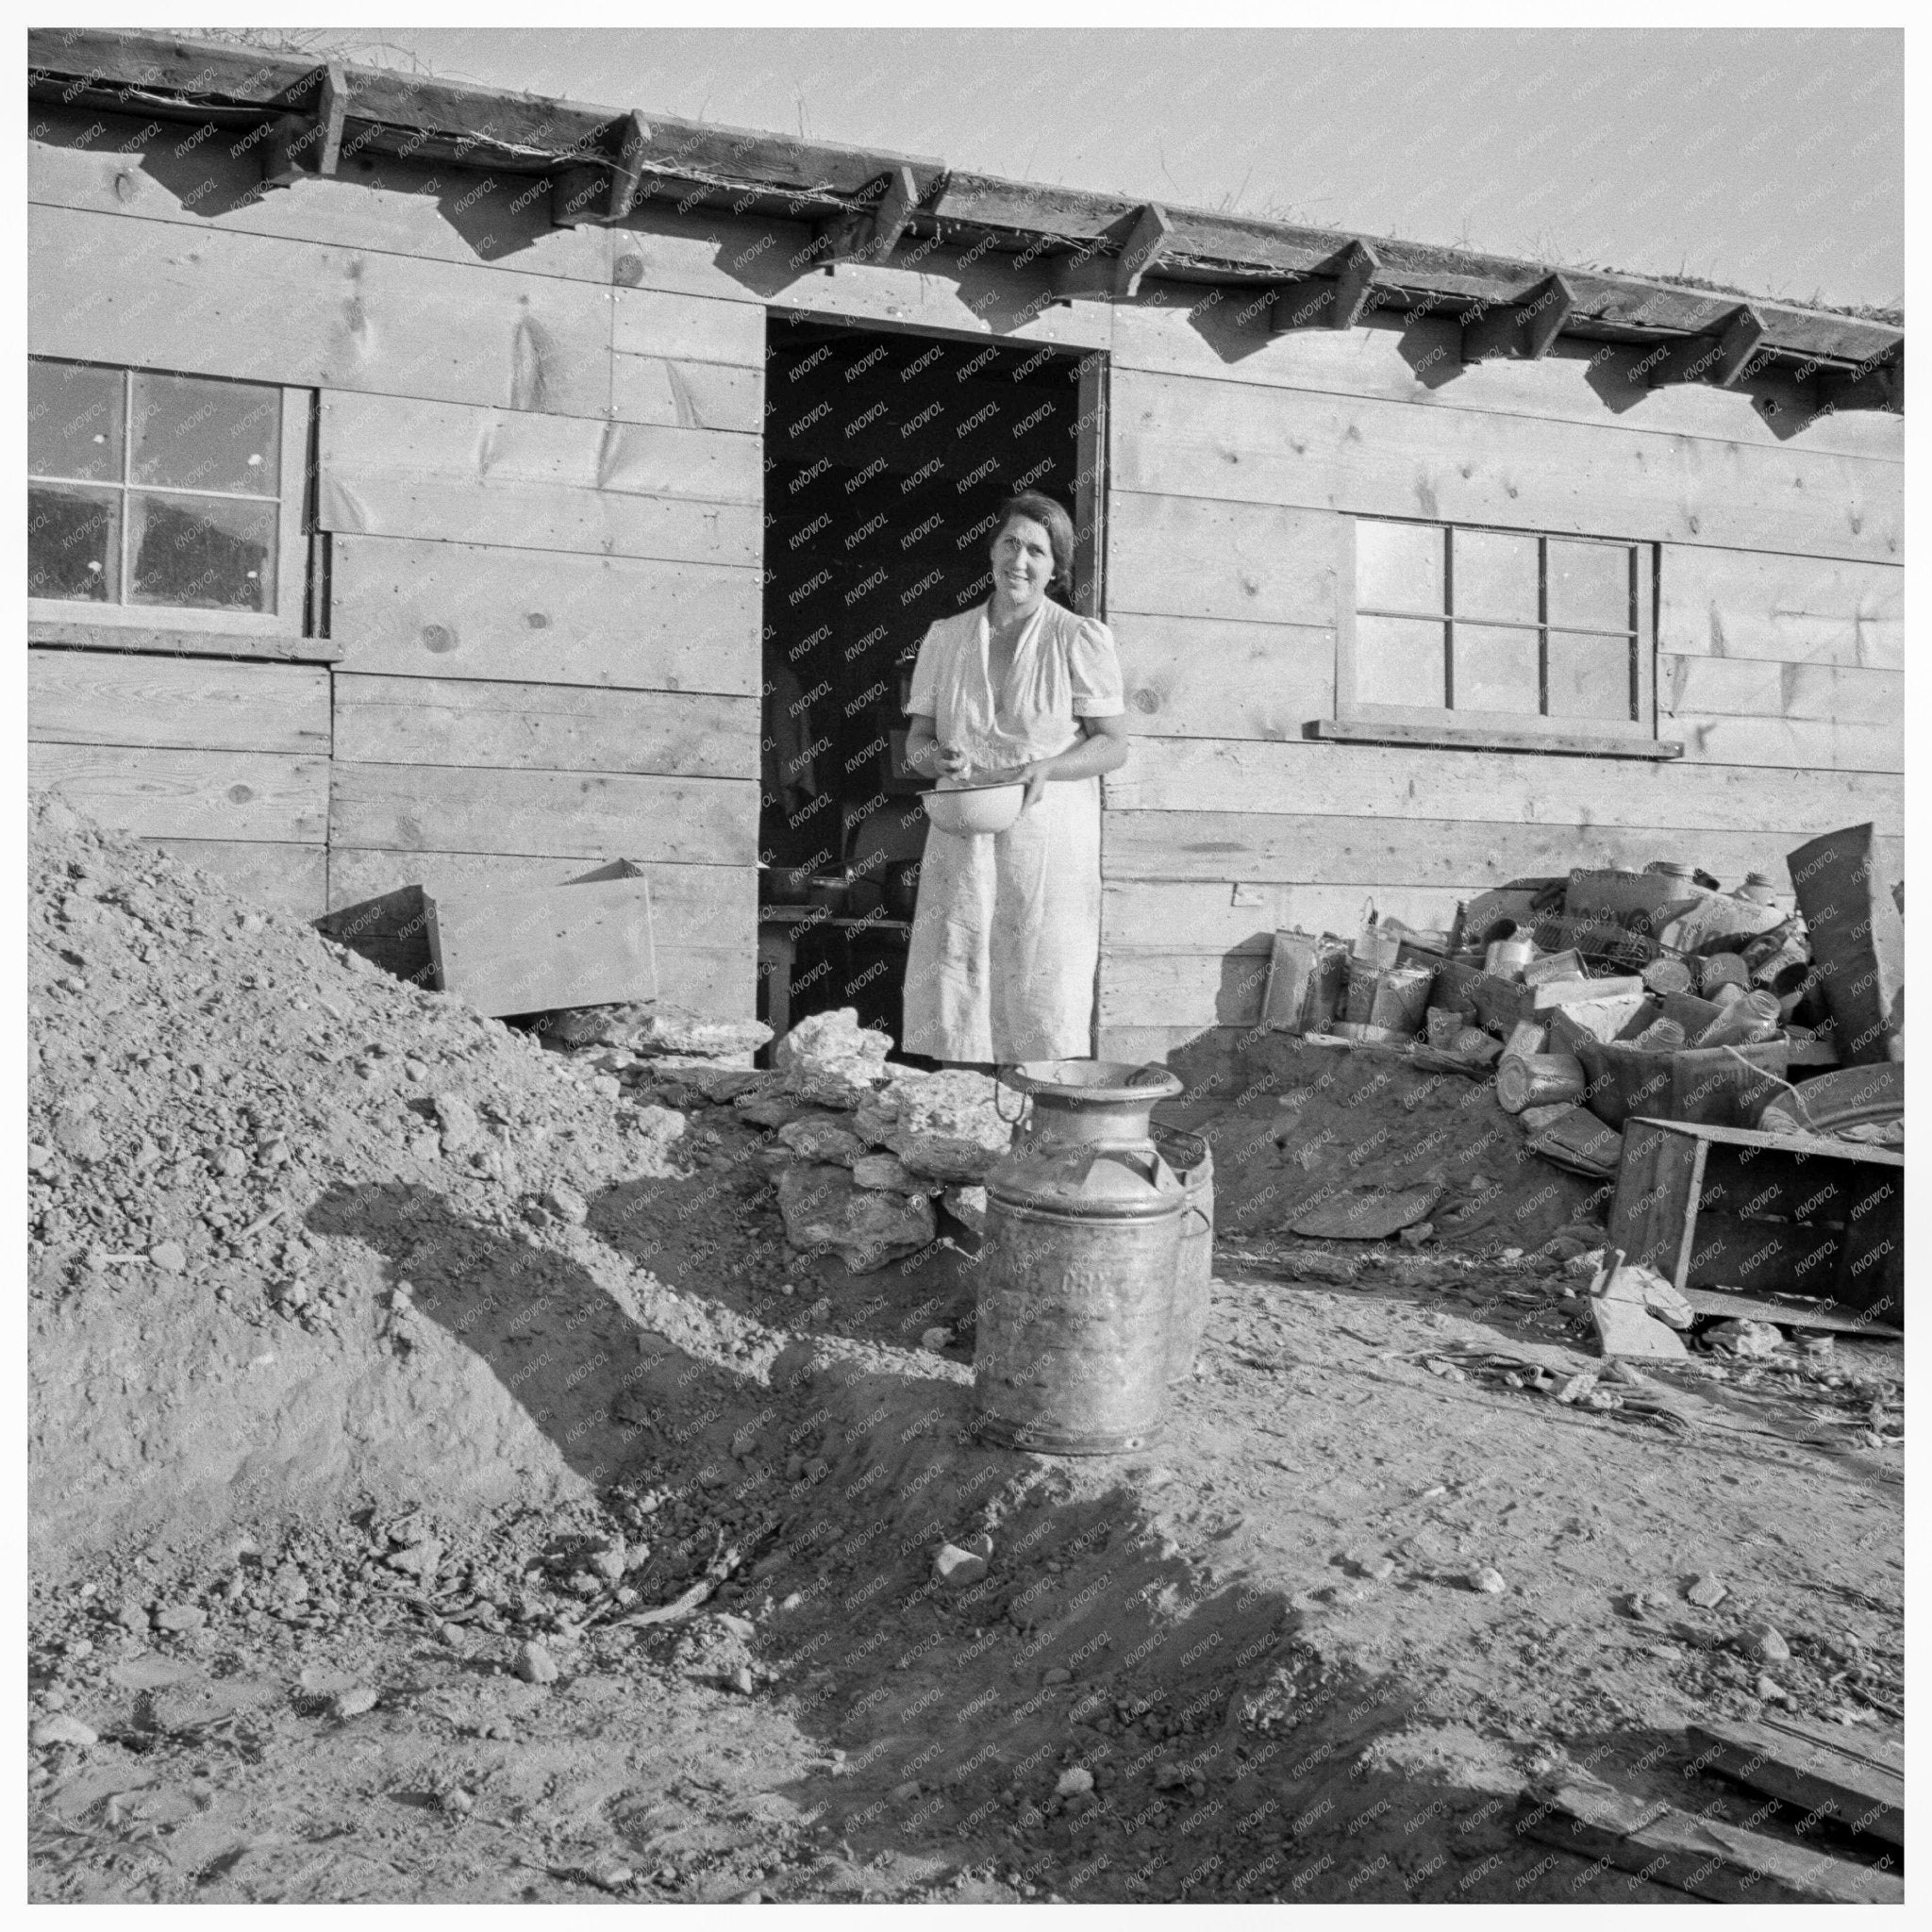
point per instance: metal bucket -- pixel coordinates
(1192, 1159)
(1077, 1268)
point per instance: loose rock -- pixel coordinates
(60, 1729)
(534, 1664)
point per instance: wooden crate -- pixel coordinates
(1713, 1206)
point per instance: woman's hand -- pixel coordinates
(950, 763)
(1035, 776)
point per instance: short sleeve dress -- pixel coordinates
(1006, 939)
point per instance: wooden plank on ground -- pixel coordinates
(1222, 334)
(265, 308)
(1655, 1209)
(1755, 603)
(532, 482)
(1822, 1320)
(378, 203)
(1450, 854)
(1818, 1770)
(688, 329)
(586, 815)
(97, 697)
(1348, 780)
(579, 946)
(1801, 744)
(690, 395)
(249, 796)
(289, 878)
(703, 918)
(1764, 688)
(1179, 436)
(712, 905)
(1211, 678)
(1700, 1855)
(414, 608)
(1256, 563)
(448, 721)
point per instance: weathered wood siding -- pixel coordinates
(540, 462)
(1236, 461)
(542, 491)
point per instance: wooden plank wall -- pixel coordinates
(1236, 461)
(540, 462)
(543, 493)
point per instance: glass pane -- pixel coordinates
(1398, 567)
(74, 421)
(1496, 670)
(191, 434)
(1495, 576)
(1589, 586)
(72, 540)
(1399, 661)
(1589, 676)
(208, 552)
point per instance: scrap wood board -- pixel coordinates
(583, 944)
(1818, 1320)
(1699, 1855)
(1856, 1782)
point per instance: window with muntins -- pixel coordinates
(160, 499)
(1507, 631)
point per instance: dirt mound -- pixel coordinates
(1296, 1127)
(234, 1125)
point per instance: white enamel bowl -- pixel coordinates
(975, 809)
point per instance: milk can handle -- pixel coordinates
(999, 1081)
(1199, 1141)
(1147, 1075)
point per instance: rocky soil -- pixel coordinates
(460, 1473)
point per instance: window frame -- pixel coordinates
(1358, 718)
(290, 618)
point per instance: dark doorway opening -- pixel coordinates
(887, 456)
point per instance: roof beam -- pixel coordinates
(1150, 238)
(1877, 385)
(604, 190)
(300, 144)
(1719, 358)
(870, 232)
(1525, 329)
(1335, 297)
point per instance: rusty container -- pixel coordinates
(1537, 1079)
(1084, 1220)
(1192, 1159)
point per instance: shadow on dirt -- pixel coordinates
(669, 1227)
(1091, 1713)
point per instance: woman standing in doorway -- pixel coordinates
(1007, 936)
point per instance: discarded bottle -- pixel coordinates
(1750, 1018)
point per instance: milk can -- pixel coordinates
(1077, 1268)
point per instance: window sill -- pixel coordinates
(194, 644)
(1482, 738)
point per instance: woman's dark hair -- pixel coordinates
(1041, 509)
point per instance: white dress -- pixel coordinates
(1006, 940)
